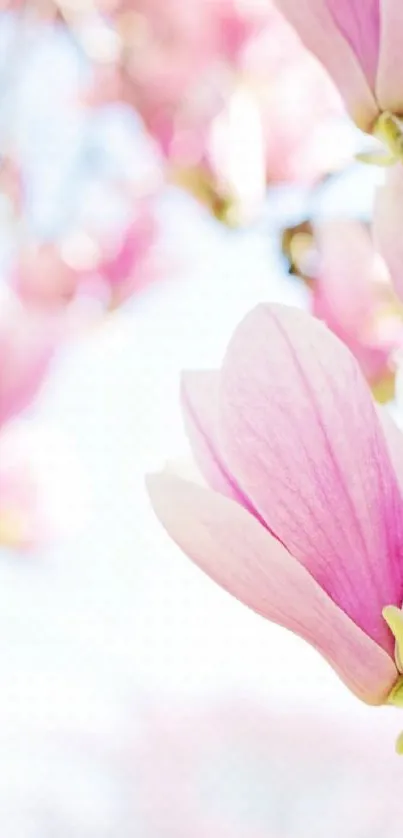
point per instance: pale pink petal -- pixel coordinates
(241, 556)
(388, 225)
(353, 296)
(344, 41)
(199, 394)
(300, 433)
(359, 23)
(343, 293)
(125, 269)
(394, 441)
(389, 87)
(27, 347)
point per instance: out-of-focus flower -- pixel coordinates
(43, 491)
(27, 345)
(297, 249)
(300, 107)
(44, 10)
(352, 293)
(303, 520)
(388, 225)
(42, 278)
(52, 276)
(360, 46)
(223, 108)
(12, 184)
(207, 125)
(128, 264)
(228, 171)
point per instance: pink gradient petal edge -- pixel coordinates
(200, 397)
(394, 441)
(321, 35)
(228, 544)
(359, 23)
(343, 292)
(389, 87)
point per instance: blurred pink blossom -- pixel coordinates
(46, 10)
(12, 184)
(129, 264)
(27, 345)
(42, 278)
(300, 106)
(353, 294)
(303, 520)
(108, 269)
(236, 102)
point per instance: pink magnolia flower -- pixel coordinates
(303, 520)
(27, 345)
(359, 43)
(353, 294)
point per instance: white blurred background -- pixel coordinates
(137, 698)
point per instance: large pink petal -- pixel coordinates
(359, 23)
(388, 225)
(389, 86)
(301, 435)
(241, 556)
(199, 393)
(394, 441)
(343, 39)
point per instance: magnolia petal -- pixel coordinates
(388, 225)
(199, 394)
(353, 296)
(389, 88)
(343, 296)
(359, 23)
(300, 433)
(27, 346)
(228, 544)
(319, 27)
(394, 441)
